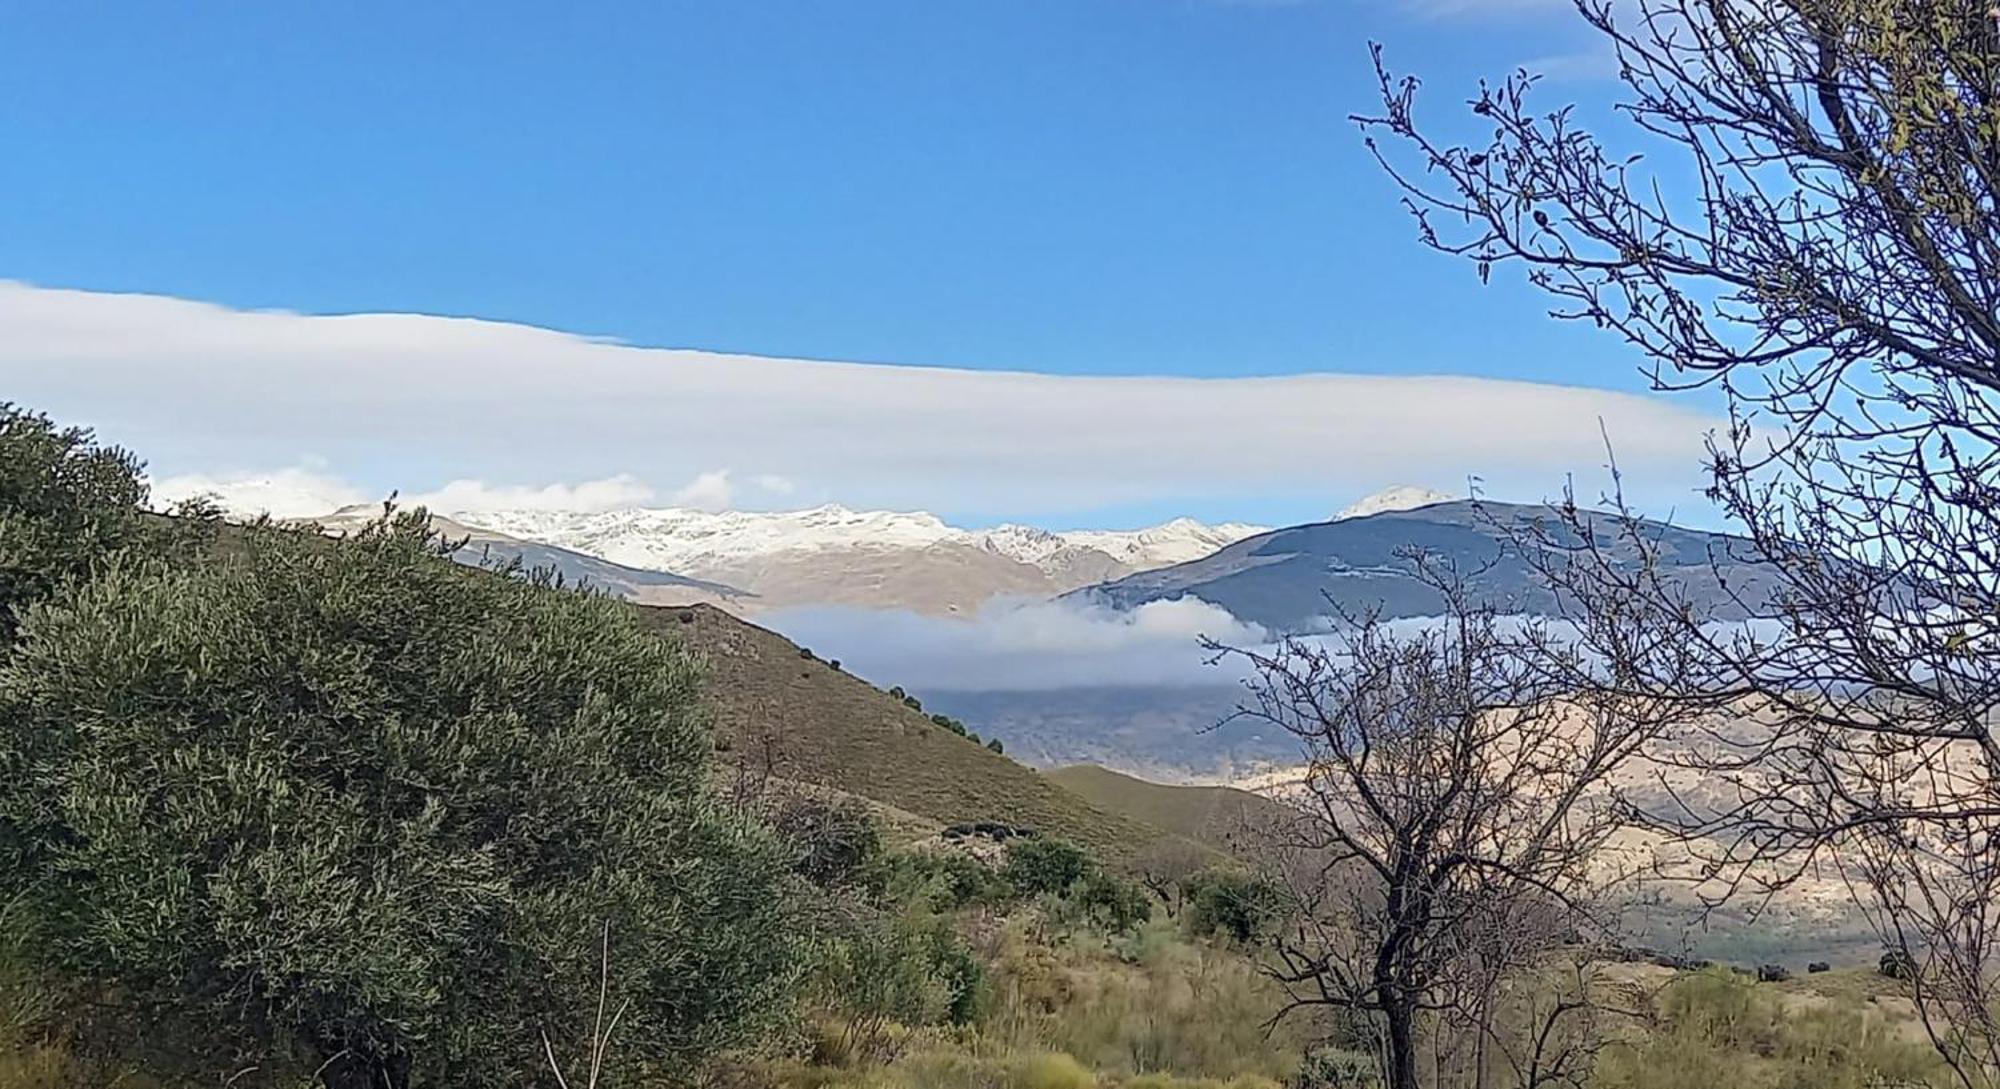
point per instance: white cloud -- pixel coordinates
(710, 491)
(307, 491)
(1024, 645)
(610, 493)
(1596, 63)
(410, 401)
(775, 484)
(281, 493)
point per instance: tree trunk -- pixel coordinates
(1400, 1017)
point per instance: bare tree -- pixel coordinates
(1166, 867)
(1451, 820)
(1813, 228)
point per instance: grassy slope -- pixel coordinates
(832, 729)
(1211, 814)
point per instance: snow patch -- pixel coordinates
(1400, 497)
(675, 538)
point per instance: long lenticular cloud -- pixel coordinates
(415, 401)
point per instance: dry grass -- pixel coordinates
(1214, 815)
(822, 726)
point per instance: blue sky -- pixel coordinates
(1073, 187)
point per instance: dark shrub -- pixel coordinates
(1113, 901)
(352, 795)
(1233, 903)
(941, 881)
(889, 969)
(1036, 866)
(949, 723)
(1337, 1068)
(832, 841)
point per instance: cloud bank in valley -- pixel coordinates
(479, 414)
(1014, 645)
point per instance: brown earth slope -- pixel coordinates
(801, 719)
(1215, 815)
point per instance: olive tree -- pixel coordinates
(67, 503)
(349, 797)
(1804, 214)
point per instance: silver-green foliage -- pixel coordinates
(350, 797)
(66, 504)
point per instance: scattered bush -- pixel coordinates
(1051, 866)
(1176, 1008)
(994, 744)
(1337, 1068)
(997, 831)
(894, 972)
(352, 795)
(833, 841)
(941, 881)
(1238, 905)
(1718, 1028)
(1111, 900)
(1051, 1072)
(947, 722)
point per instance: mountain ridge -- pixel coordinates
(482, 547)
(1298, 577)
(832, 555)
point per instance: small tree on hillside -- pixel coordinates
(349, 794)
(1041, 866)
(1448, 822)
(1814, 229)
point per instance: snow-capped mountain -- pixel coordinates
(833, 555)
(481, 547)
(1400, 497)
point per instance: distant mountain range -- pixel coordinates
(1284, 579)
(1280, 579)
(485, 547)
(879, 559)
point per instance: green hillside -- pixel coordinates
(1213, 815)
(799, 718)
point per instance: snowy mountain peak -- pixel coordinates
(1400, 497)
(675, 539)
